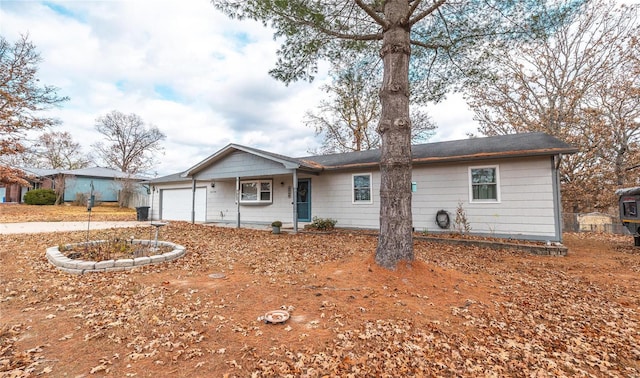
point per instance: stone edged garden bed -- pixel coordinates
(76, 266)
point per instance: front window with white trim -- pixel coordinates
(484, 184)
(256, 191)
(361, 188)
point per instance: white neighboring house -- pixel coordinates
(508, 186)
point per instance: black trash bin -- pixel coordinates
(142, 213)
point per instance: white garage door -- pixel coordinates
(176, 204)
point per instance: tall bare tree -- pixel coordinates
(130, 145)
(347, 120)
(22, 100)
(577, 85)
(436, 42)
(58, 150)
(613, 110)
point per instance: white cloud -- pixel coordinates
(182, 66)
(453, 118)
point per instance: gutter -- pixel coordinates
(460, 158)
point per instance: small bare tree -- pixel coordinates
(127, 189)
(59, 186)
(461, 222)
(130, 144)
(58, 150)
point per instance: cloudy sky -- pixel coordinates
(182, 66)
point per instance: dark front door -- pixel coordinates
(304, 200)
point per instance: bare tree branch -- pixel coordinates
(424, 13)
(372, 13)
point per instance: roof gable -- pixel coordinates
(287, 162)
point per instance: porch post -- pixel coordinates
(193, 200)
(295, 200)
(238, 200)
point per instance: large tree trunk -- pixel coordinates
(396, 240)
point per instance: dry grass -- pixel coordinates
(13, 213)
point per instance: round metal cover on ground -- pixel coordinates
(217, 275)
(276, 316)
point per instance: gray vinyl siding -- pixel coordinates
(525, 210)
(221, 205)
(222, 199)
(242, 164)
(332, 198)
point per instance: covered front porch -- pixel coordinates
(249, 188)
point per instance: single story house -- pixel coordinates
(508, 186)
(107, 184)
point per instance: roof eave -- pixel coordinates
(497, 155)
(470, 157)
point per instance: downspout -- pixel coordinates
(557, 203)
(153, 193)
(238, 200)
(193, 201)
(295, 200)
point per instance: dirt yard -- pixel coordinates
(455, 312)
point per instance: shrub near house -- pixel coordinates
(40, 197)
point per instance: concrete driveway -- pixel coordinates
(38, 227)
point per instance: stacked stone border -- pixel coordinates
(75, 266)
(543, 250)
(554, 249)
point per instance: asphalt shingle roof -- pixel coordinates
(40, 172)
(100, 172)
(87, 172)
(515, 145)
(174, 177)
